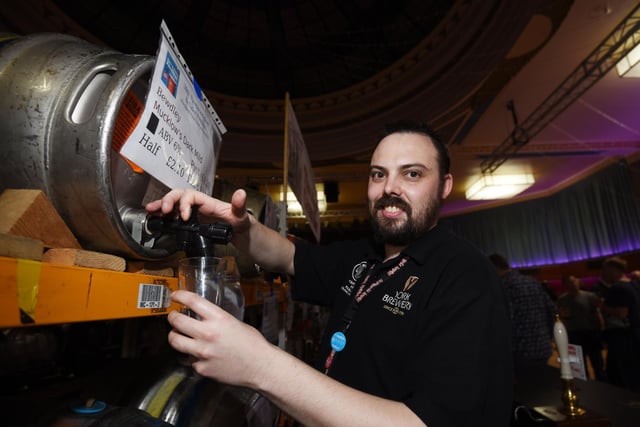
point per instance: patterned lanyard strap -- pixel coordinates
(339, 339)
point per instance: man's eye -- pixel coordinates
(377, 175)
(413, 174)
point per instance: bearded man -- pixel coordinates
(419, 331)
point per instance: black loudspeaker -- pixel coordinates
(331, 191)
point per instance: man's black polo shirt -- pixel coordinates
(434, 335)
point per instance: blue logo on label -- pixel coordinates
(338, 341)
(170, 74)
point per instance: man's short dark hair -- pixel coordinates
(410, 126)
(616, 262)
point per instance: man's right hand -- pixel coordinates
(234, 213)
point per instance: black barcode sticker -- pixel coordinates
(153, 296)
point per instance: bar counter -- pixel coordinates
(605, 404)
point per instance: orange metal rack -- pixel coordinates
(39, 293)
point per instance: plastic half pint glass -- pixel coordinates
(204, 276)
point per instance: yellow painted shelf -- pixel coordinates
(39, 293)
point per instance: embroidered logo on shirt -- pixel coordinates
(412, 280)
(356, 273)
(399, 303)
(358, 270)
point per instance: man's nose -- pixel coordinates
(392, 186)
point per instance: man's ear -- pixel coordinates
(447, 186)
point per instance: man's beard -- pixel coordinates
(399, 232)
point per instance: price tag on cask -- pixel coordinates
(177, 139)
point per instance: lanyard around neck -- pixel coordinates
(365, 287)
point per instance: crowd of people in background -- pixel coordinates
(604, 320)
(619, 296)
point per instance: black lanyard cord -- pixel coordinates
(338, 339)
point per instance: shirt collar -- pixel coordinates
(419, 250)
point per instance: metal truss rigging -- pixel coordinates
(601, 60)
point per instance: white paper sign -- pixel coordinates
(177, 139)
(576, 361)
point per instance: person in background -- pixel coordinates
(621, 310)
(419, 332)
(532, 317)
(612, 271)
(580, 313)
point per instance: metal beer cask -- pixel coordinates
(58, 115)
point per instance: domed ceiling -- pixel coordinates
(350, 66)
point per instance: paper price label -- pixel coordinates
(178, 137)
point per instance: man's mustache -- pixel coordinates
(385, 201)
